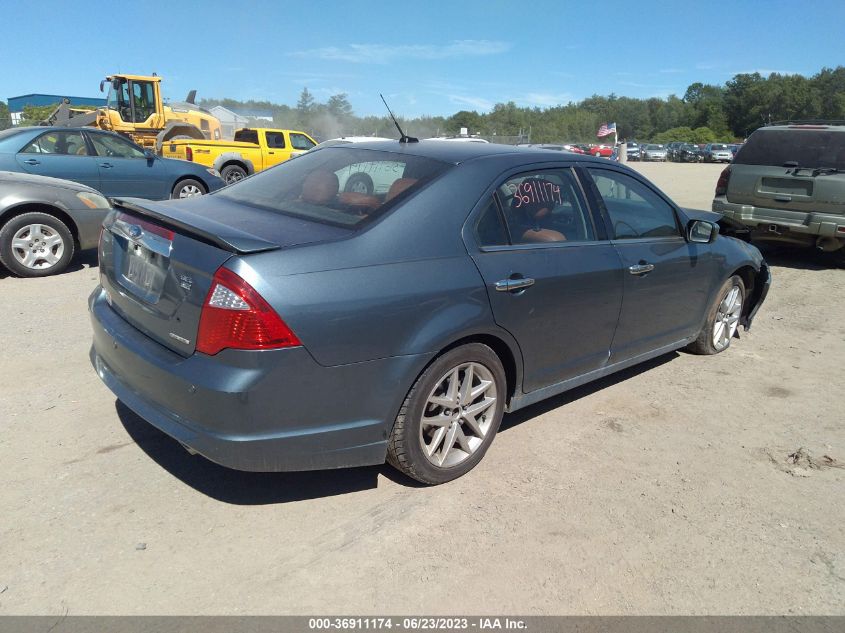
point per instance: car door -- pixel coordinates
(667, 279)
(277, 150)
(125, 170)
(60, 154)
(553, 281)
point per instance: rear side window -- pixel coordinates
(275, 140)
(807, 148)
(545, 206)
(490, 230)
(64, 143)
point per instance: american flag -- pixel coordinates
(606, 130)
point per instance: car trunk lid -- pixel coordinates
(157, 260)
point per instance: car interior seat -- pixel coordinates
(530, 211)
(319, 187)
(399, 185)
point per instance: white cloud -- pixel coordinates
(477, 103)
(384, 53)
(545, 98)
(671, 71)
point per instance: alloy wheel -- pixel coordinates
(189, 191)
(458, 414)
(727, 318)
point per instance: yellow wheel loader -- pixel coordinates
(134, 107)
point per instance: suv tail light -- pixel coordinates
(722, 183)
(189, 154)
(235, 316)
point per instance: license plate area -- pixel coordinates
(144, 272)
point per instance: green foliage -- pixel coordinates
(5, 117)
(706, 113)
(33, 115)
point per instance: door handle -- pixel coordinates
(106, 165)
(510, 285)
(640, 269)
(271, 152)
(32, 161)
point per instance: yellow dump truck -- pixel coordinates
(135, 108)
(254, 149)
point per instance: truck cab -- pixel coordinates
(253, 150)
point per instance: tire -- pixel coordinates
(725, 310)
(359, 183)
(233, 173)
(52, 245)
(410, 439)
(188, 188)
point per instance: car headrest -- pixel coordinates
(319, 187)
(535, 195)
(398, 186)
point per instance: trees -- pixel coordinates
(705, 113)
(5, 117)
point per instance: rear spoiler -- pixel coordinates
(197, 227)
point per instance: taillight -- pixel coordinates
(722, 183)
(235, 316)
(189, 154)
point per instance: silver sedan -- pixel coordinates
(652, 152)
(44, 221)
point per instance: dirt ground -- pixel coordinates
(666, 489)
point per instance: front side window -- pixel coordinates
(545, 206)
(341, 186)
(300, 141)
(634, 209)
(62, 143)
(115, 147)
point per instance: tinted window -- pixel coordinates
(246, 136)
(545, 206)
(635, 210)
(300, 141)
(276, 140)
(115, 147)
(808, 148)
(342, 186)
(490, 230)
(64, 143)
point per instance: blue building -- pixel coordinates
(17, 104)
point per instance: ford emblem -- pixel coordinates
(134, 231)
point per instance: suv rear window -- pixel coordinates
(341, 186)
(807, 148)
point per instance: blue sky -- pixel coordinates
(427, 57)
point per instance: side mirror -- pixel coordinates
(102, 84)
(701, 232)
(149, 154)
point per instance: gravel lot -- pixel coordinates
(667, 489)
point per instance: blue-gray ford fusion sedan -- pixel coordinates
(293, 322)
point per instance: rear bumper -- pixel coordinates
(781, 220)
(275, 410)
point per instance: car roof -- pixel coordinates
(461, 152)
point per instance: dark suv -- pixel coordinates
(787, 184)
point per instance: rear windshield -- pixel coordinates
(342, 186)
(246, 136)
(12, 140)
(714, 147)
(807, 148)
